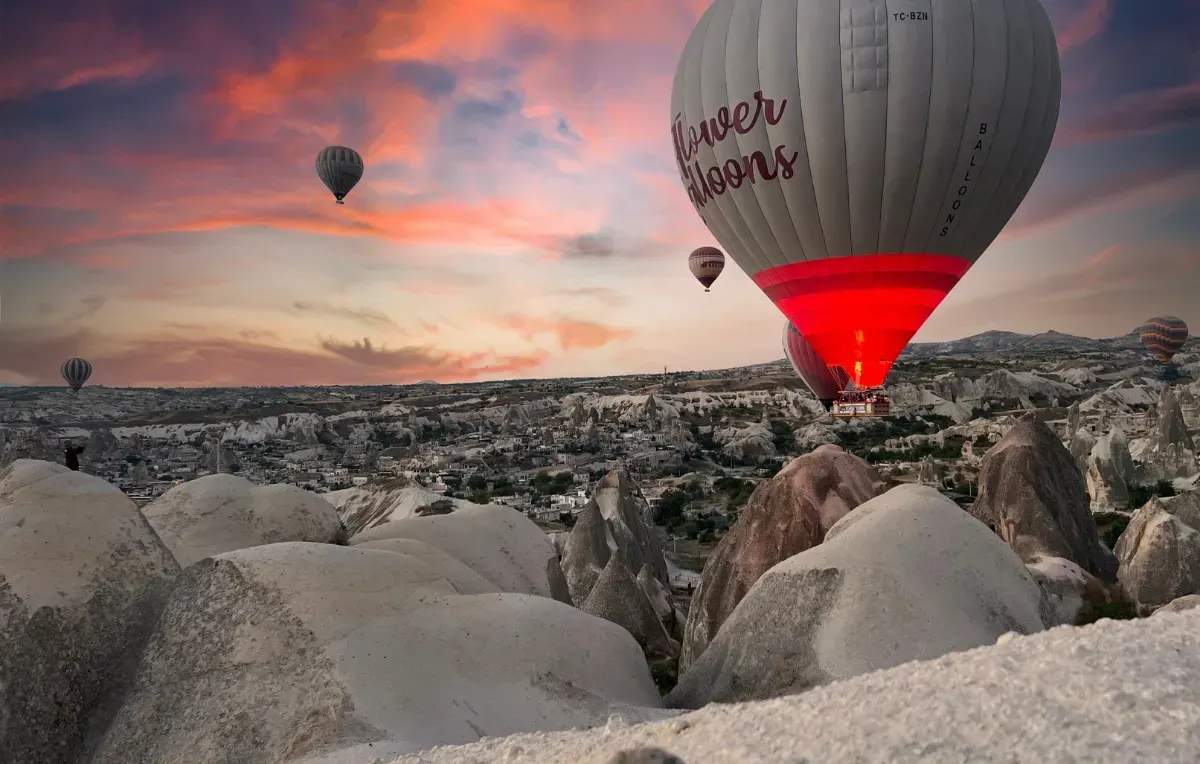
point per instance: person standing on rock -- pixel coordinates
(72, 456)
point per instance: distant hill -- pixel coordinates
(999, 341)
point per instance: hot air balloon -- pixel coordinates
(1164, 336)
(706, 264)
(339, 168)
(811, 367)
(856, 157)
(76, 372)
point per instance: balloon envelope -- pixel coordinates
(75, 372)
(856, 157)
(706, 263)
(1164, 336)
(340, 169)
(824, 381)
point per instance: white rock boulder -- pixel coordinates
(223, 513)
(83, 579)
(499, 543)
(295, 650)
(906, 576)
(1159, 556)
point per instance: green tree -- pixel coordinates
(670, 506)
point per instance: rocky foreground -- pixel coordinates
(226, 622)
(1111, 692)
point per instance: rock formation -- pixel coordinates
(1073, 420)
(1109, 470)
(660, 598)
(1080, 447)
(1185, 506)
(945, 711)
(375, 504)
(1186, 602)
(752, 442)
(928, 473)
(617, 518)
(83, 578)
(282, 651)
(457, 574)
(498, 543)
(1032, 495)
(1160, 558)
(1171, 428)
(1070, 595)
(785, 515)
(1170, 452)
(223, 513)
(617, 597)
(858, 603)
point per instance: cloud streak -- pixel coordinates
(365, 316)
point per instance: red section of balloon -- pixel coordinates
(859, 311)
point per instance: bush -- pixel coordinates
(670, 506)
(784, 437)
(1114, 532)
(665, 675)
(1140, 494)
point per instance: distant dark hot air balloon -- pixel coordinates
(825, 383)
(1164, 336)
(339, 168)
(75, 371)
(856, 158)
(706, 264)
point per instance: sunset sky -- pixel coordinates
(520, 216)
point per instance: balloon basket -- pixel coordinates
(338, 201)
(857, 404)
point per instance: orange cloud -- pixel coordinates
(572, 334)
(1144, 113)
(1085, 25)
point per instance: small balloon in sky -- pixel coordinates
(340, 169)
(706, 264)
(75, 372)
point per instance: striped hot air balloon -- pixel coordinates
(856, 157)
(826, 383)
(706, 263)
(340, 169)
(75, 372)
(1164, 336)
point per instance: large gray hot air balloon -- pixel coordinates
(856, 157)
(75, 371)
(339, 168)
(826, 384)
